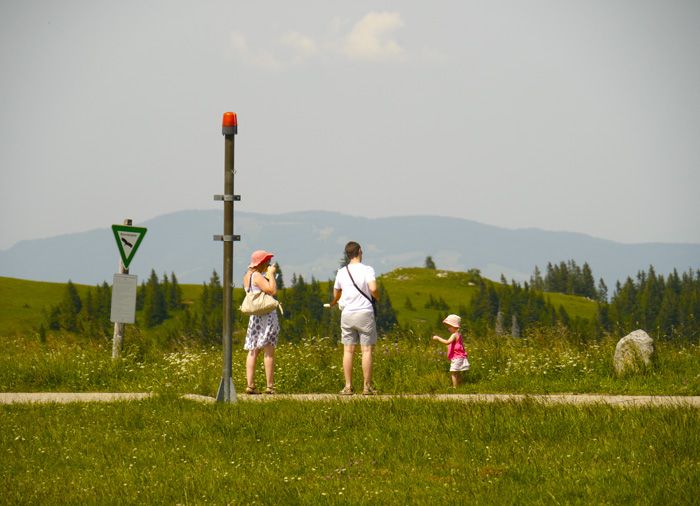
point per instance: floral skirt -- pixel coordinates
(262, 330)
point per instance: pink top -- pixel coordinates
(456, 348)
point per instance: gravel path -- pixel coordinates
(582, 399)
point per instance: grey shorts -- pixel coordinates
(358, 327)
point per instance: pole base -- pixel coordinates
(226, 396)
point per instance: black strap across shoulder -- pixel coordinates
(371, 300)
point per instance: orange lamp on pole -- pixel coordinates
(229, 125)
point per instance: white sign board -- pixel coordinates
(124, 298)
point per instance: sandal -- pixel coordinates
(271, 391)
(346, 391)
(252, 391)
(369, 391)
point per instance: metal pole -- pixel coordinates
(118, 339)
(227, 392)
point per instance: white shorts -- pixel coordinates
(358, 327)
(459, 364)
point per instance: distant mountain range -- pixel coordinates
(311, 244)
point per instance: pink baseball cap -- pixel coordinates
(258, 258)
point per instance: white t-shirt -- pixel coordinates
(352, 300)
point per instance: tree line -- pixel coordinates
(160, 299)
(667, 307)
(510, 308)
(157, 298)
(570, 279)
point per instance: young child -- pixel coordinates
(455, 348)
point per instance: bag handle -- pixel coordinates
(250, 282)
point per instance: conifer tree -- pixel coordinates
(587, 283)
(155, 306)
(624, 307)
(280, 277)
(70, 308)
(94, 317)
(211, 323)
(408, 304)
(563, 316)
(651, 297)
(386, 316)
(602, 291)
(536, 281)
(141, 296)
(668, 317)
(303, 309)
(166, 288)
(175, 294)
(603, 323)
(483, 306)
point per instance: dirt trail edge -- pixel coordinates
(551, 399)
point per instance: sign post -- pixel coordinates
(229, 128)
(124, 286)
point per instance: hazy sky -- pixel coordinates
(579, 116)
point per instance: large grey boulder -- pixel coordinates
(633, 353)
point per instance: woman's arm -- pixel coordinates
(268, 286)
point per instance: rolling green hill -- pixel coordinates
(456, 289)
(23, 303)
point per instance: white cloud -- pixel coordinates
(303, 47)
(370, 39)
(261, 59)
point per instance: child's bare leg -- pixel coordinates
(456, 378)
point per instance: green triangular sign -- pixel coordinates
(128, 240)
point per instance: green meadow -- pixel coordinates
(401, 451)
(169, 450)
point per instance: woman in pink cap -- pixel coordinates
(263, 330)
(456, 353)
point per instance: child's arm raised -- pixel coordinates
(453, 337)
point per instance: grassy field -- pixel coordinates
(543, 363)
(167, 450)
(172, 451)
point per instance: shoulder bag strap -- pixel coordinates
(250, 282)
(358, 288)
